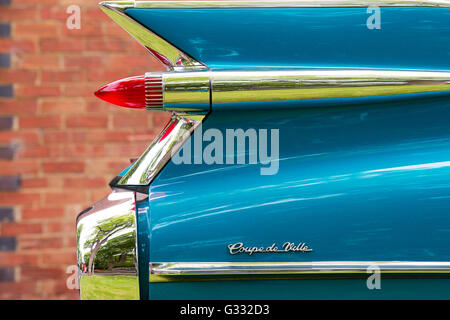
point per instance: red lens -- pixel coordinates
(128, 92)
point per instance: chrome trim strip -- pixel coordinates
(290, 4)
(198, 91)
(187, 91)
(170, 56)
(290, 85)
(292, 268)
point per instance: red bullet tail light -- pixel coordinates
(136, 92)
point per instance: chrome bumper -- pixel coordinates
(107, 249)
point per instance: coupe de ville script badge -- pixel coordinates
(285, 248)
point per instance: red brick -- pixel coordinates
(38, 91)
(15, 290)
(117, 166)
(85, 182)
(42, 213)
(119, 136)
(80, 90)
(18, 167)
(141, 136)
(36, 30)
(41, 243)
(62, 76)
(34, 152)
(160, 119)
(18, 76)
(98, 194)
(55, 72)
(53, 45)
(106, 75)
(19, 137)
(39, 61)
(18, 107)
(63, 136)
(38, 151)
(17, 198)
(100, 106)
(67, 198)
(62, 105)
(31, 273)
(93, 14)
(82, 3)
(60, 258)
(54, 13)
(14, 228)
(59, 227)
(85, 150)
(17, 14)
(61, 167)
(40, 122)
(137, 121)
(13, 45)
(34, 183)
(129, 150)
(34, 3)
(88, 30)
(131, 61)
(87, 122)
(113, 30)
(8, 259)
(103, 45)
(107, 136)
(84, 62)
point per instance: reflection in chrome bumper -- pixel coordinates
(106, 249)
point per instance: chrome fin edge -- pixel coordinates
(170, 56)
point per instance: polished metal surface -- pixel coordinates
(289, 3)
(160, 151)
(260, 86)
(190, 91)
(153, 91)
(291, 268)
(178, 91)
(107, 248)
(170, 56)
(187, 91)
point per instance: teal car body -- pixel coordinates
(363, 170)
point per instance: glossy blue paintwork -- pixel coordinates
(409, 38)
(435, 289)
(362, 183)
(143, 245)
(359, 179)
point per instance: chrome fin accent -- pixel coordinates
(151, 162)
(171, 57)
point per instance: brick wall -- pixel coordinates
(59, 145)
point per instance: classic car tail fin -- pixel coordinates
(265, 54)
(169, 55)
